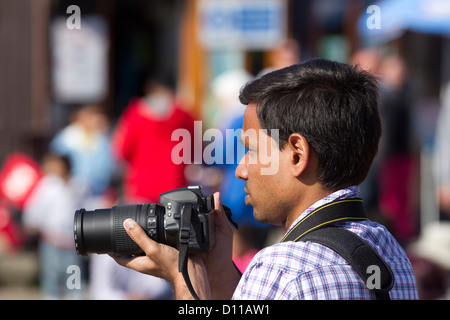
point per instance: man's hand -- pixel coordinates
(161, 261)
(212, 273)
(222, 274)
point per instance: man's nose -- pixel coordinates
(242, 169)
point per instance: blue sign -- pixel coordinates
(256, 24)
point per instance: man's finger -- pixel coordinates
(218, 206)
(122, 260)
(221, 217)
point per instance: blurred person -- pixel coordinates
(221, 113)
(329, 129)
(441, 161)
(388, 188)
(225, 88)
(397, 170)
(49, 213)
(142, 141)
(287, 53)
(86, 142)
(369, 59)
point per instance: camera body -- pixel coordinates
(182, 217)
(177, 203)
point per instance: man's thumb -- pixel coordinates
(137, 234)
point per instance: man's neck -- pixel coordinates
(311, 195)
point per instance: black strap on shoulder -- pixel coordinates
(319, 227)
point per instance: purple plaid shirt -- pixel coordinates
(310, 271)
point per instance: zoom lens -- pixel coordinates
(101, 230)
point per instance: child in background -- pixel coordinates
(49, 213)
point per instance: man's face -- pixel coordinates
(265, 172)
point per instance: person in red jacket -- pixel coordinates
(143, 140)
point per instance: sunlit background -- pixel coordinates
(55, 59)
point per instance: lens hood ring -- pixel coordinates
(78, 232)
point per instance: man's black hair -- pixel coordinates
(333, 105)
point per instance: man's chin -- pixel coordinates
(264, 219)
(258, 217)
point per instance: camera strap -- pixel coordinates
(185, 233)
(320, 227)
(183, 249)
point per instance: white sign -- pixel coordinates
(245, 24)
(80, 60)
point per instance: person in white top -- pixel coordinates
(49, 213)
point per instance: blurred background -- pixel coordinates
(91, 91)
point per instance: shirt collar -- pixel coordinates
(345, 193)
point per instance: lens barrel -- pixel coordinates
(101, 230)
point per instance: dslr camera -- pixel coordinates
(182, 217)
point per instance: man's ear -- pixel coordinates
(300, 151)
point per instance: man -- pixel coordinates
(324, 129)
